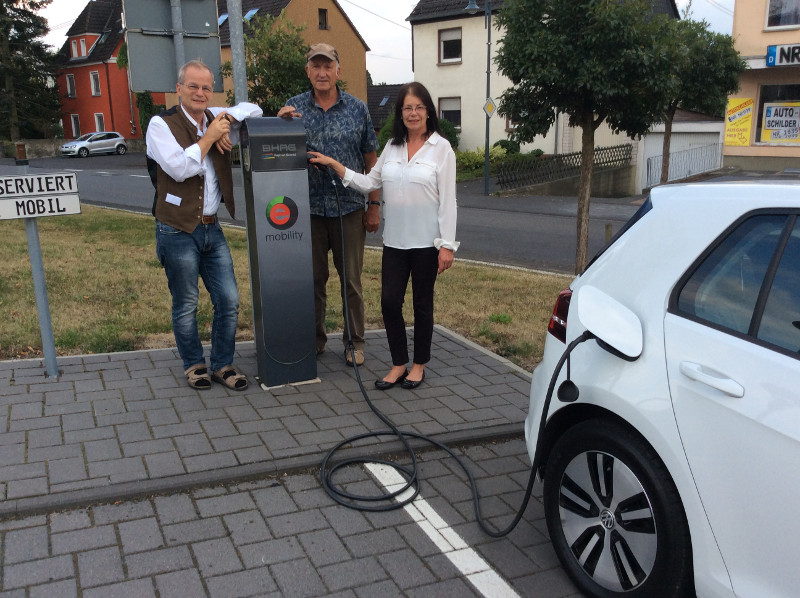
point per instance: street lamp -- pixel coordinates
(488, 107)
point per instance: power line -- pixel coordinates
(720, 7)
(62, 25)
(377, 15)
(387, 56)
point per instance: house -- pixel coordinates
(763, 118)
(449, 53)
(96, 93)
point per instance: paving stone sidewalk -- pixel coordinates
(121, 425)
(283, 536)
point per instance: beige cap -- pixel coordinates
(326, 50)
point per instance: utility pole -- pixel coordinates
(238, 61)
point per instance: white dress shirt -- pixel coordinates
(182, 164)
(419, 195)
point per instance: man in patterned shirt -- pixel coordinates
(338, 125)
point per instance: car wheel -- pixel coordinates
(83, 152)
(121, 149)
(614, 515)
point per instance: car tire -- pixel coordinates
(121, 149)
(83, 152)
(647, 555)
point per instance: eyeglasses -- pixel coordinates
(194, 88)
(410, 109)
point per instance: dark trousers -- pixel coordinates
(422, 265)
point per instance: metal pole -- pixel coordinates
(488, 7)
(238, 61)
(42, 304)
(177, 33)
(39, 286)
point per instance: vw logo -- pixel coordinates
(607, 519)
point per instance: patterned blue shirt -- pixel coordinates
(343, 132)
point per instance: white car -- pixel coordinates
(671, 457)
(107, 142)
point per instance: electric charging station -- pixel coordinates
(274, 166)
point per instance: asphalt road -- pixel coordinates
(536, 232)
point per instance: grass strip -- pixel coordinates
(107, 292)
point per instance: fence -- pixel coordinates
(685, 163)
(524, 173)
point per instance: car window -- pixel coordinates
(780, 322)
(724, 288)
(84, 137)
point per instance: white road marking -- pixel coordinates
(141, 176)
(479, 573)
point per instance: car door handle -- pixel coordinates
(697, 372)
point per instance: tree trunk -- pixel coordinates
(13, 118)
(584, 192)
(668, 117)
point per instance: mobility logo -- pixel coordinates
(282, 214)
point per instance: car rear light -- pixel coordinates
(558, 321)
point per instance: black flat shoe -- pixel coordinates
(384, 385)
(412, 384)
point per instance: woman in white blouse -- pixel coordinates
(417, 172)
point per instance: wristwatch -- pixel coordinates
(372, 202)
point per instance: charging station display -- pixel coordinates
(274, 167)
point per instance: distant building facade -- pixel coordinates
(763, 117)
(94, 90)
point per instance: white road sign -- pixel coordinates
(32, 196)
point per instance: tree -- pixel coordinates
(594, 60)
(706, 70)
(27, 95)
(147, 109)
(275, 56)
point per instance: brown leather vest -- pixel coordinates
(187, 216)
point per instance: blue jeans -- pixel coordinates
(186, 257)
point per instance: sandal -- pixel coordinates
(197, 377)
(229, 377)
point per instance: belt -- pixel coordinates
(208, 219)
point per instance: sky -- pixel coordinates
(387, 34)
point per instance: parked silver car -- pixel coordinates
(106, 142)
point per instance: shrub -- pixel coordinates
(470, 164)
(385, 134)
(450, 132)
(511, 147)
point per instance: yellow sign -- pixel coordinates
(739, 121)
(781, 123)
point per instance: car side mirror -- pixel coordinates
(617, 328)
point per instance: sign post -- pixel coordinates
(29, 197)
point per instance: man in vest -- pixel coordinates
(188, 150)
